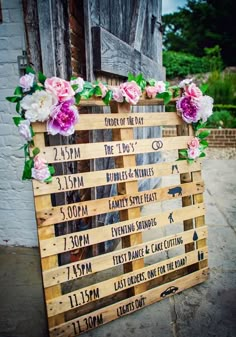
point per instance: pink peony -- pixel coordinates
(194, 143)
(24, 130)
(63, 118)
(60, 88)
(39, 163)
(151, 91)
(40, 171)
(131, 91)
(193, 91)
(193, 153)
(27, 81)
(117, 95)
(40, 175)
(188, 109)
(103, 88)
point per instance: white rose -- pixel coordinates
(41, 174)
(38, 105)
(24, 130)
(161, 86)
(78, 81)
(205, 104)
(27, 81)
(185, 82)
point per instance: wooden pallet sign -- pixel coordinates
(85, 294)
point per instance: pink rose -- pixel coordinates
(193, 91)
(131, 91)
(41, 174)
(194, 143)
(27, 81)
(117, 95)
(151, 91)
(193, 153)
(60, 88)
(39, 163)
(103, 88)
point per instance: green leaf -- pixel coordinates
(202, 155)
(36, 151)
(37, 87)
(29, 164)
(18, 91)
(204, 142)
(13, 99)
(190, 161)
(77, 98)
(48, 180)
(32, 133)
(87, 85)
(166, 96)
(51, 169)
(183, 153)
(199, 125)
(108, 97)
(87, 93)
(131, 77)
(18, 107)
(152, 82)
(17, 120)
(29, 70)
(97, 91)
(204, 87)
(204, 134)
(181, 159)
(41, 77)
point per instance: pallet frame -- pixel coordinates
(124, 148)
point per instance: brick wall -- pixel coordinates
(17, 218)
(217, 138)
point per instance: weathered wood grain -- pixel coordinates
(117, 310)
(112, 55)
(85, 209)
(95, 264)
(78, 181)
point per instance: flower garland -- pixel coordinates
(52, 100)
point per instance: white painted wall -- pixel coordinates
(17, 217)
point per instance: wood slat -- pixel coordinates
(66, 153)
(95, 264)
(68, 242)
(79, 181)
(100, 290)
(127, 306)
(123, 120)
(84, 209)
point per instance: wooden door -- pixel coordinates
(122, 37)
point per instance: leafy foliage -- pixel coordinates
(202, 24)
(221, 119)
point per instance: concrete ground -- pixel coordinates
(208, 309)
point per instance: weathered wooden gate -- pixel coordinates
(85, 294)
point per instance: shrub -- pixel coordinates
(221, 119)
(222, 86)
(180, 64)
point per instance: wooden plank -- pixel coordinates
(42, 202)
(68, 242)
(66, 153)
(123, 120)
(100, 290)
(122, 308)
(93, 101)
(95, 264)
(84, 209)
(137, 24)
(112, 55)
(78, 181)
